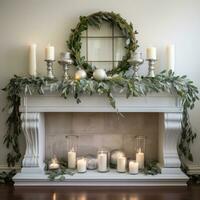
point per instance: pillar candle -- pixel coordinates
(102, 162)
(72, 159)
(151, 53)
(170, 51)
(121, 164)
(140, 158)
(133, 167)
(32, 59)
(50, 53)
(65, 56)
(81, 165)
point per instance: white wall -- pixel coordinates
(158, 22)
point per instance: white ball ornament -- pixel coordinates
(99, 74)
(80, 74)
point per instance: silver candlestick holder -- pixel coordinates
(151, 72)
(65, 64)
(50, 68)
(135, 61)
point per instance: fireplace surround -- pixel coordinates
(168, 110)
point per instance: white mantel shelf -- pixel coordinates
(162, 102)
(33, 110)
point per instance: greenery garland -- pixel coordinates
(163, 82)
(95, 20)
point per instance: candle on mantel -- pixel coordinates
(72, 159)
(102, 161)
(54, 164)
(151, 53)
(65, 56)
(133, 167)
(81, 165)
(140, 158)
(32, 59)
(121, 164)
(170, 51)
(49, 52)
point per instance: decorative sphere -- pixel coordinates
(99, 74)
(80, 74)
(91, 162)
(114, 154)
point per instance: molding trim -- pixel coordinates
(4, 167)
(193, 169)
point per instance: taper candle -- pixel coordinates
(170, 50)
(32, 59)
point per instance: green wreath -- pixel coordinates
(96, 19)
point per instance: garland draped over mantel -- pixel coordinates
(163, 82)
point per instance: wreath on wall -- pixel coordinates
(95, 20)
(166, 81)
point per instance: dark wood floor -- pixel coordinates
(102, 193)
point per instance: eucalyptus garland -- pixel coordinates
(95, 20)
(163, 82)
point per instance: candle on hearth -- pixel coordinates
(32, 59)
(151, 53)
(133, 167)
(81, 165)
(72, 159)
(121, 164)
(54, 164)
(102, 160)
(140, 158)
(170, 51)
(50, 52)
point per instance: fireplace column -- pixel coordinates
(34, 131)
(169, 133)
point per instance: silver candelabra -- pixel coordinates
(151, 72)
(135, 61)
(65, 61)
(50, 68)
(65, 65)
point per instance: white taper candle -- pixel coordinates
(32, 60)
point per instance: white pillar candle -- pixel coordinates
(32, 59)
(170, 51)
(121, 164)
(54, 164)
(102, 162)
(140, 158)
(81, 165)
(65, 56)
(50, 53)
(151, 53)
(72, 159)
(133, 167)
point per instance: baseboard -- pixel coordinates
(6, 168)
(193, 169)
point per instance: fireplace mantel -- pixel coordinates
(33, 110)
(162, 102)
